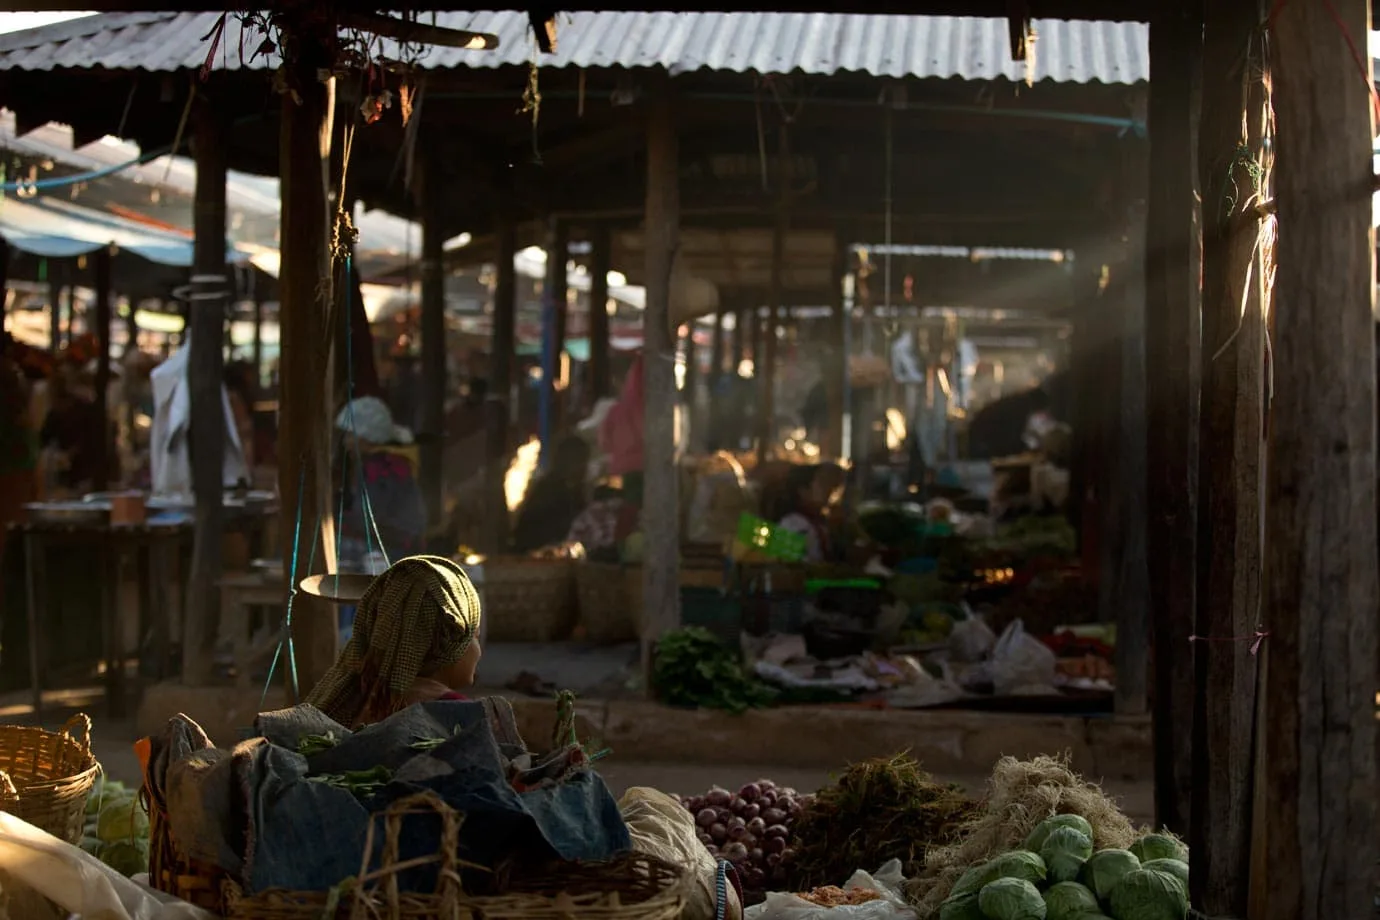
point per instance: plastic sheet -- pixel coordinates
(886, 882)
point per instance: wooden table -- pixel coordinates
(240, 592)
(159, 548)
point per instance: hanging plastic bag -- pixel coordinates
(889, 905)
(1021, 663)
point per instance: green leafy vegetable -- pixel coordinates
(1011, 899)
(1174, 867)
(315, 744)
(1159, 846)
(1036, 841)
(1105, 868)
(963, 907)
(1019, 864)
(692, 668)
(359, 782)
(1069, 901)
(1145, 894)
(1064, 852)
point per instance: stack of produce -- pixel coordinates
(1058, 876)
(117, 828)
(751, 829)
(877, 810)
(694, 669)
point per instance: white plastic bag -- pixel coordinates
(661, 827)
(886, 882)
(37, 864)
(971, 639)
(1021, 663)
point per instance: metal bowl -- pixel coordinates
(342, 588)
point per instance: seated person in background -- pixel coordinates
(611, 518)
(415, 639)
(395, 513)
(802, 503)
(555, 499)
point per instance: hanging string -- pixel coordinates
(1255, 638)
(371, 527)
(285, 639)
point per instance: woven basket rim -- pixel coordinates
(63, 738)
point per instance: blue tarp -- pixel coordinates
(56, 229)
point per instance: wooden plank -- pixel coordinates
(1321, 593)
(433, 329)
(204, 380)
(661, 565)
(1229, 457)
(1173, 353)
(303, 430)
(600, 253)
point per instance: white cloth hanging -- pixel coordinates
(170, 456)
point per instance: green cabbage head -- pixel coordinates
(1159, 846)
(1018, 864)
(1036, 841)
(1104, 870)
(1011, 899)
(1064, 852)
(1070, 901)
(961, 907)
(1173, 866)
(1144, 894)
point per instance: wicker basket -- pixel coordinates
(606, 610)
(172, 871)
(529, 600)
(629, 888)
(45, 776)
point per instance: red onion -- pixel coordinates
(738, 832)
(706, 839)
(718, 833)
(767, 799)
(706, 817)
(773, 859)
(787, 791)
(750, 792)
(778, 830)
(718, 798)
(735, 852)
(751, 810)
(755, 854)
(725, 814)
(736, 822)
(776, 846)
(757, 827)
(773, 815)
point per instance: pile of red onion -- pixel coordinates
(751, 829)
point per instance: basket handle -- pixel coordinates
(9, 796)
(79, 721)
(448, 884)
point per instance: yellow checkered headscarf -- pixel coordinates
(414, 619)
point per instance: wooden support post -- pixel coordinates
(600, 253)
(1230, 167)
(716, 378)
(258, 340)
(102, 258)
(835, 357)
(1130, 589)
(4, 277)
(433, 327)
(737, 343)
(1172, 351)
(1321, 591)
(54, 310)
(206, 322)
(690, 387)
(766, 424)
(661, 565)
(501, 353)
(303, 430)
(553, 326)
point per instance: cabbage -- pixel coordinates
(1144, 894)
(1036, 841)
(1018, 864)
(1069, 901)
(121, 819)
(1173, 866)
(126, 858)
(1064, 852)
(1159, 846)
(1011, 899)
(962, 907)
(1105, 868)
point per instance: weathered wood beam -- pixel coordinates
(661, 565)
(1231, 172)
(555, 312)
(600, 253)
(304, 315)
(766, 421)
(1321, 591)
(210, 292)
(1172, 332)
(502, 350)
(433, 330)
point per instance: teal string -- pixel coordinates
(371, 527)
(285, 640)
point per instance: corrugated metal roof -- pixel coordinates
(942, 47)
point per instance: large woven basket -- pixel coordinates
(172, 871)
(45, 776)
(633, 887)
(529, 600)
(605, 602)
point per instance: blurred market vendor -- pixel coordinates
(555, 499)
(609, 520)
(385, 503)
(802, 504)
(415, 639)
(72, 432)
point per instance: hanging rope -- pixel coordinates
(285, 639)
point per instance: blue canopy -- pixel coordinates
(56, 229)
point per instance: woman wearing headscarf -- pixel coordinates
(415, 639)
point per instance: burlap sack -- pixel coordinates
(661, 827)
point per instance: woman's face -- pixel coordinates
(460, 675)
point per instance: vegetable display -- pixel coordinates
(117, 828)
(1066, 880)
(692, 668)
(751, 829)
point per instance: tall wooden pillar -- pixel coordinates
(305, 365)
(204, 381)
(1231, 164)
(1173, 258)
(1321, 589)
(497, 405)
(555, 292)
(433, 329)
(102, 259)
(836, 356)
(661, 565)
(600, 379)
(766, 424)
(55, 291)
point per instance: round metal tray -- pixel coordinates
(343, 588)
